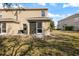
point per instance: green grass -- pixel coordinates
(59, 43)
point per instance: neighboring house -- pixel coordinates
(72, 20)
(24, 21)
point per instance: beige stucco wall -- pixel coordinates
(21, 14)
(12, 28)
(8, 14)
(46, 27)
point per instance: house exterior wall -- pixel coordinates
(69, 22)
(12, 28)
(46, 27)
(23, 15)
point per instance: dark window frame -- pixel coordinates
(43, 13)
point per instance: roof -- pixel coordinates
(39, 18)
(7, 20)
(24, 9)
(71, 17)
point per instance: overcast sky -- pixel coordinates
(57, 11)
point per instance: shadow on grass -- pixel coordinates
(40, 47)
(65, 47)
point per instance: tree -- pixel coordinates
(10, 5)
(52, 25)
(7, 5)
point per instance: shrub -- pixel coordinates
(52, 26)
(69, 28)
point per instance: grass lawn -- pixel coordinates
(60, 43)
(66, 41)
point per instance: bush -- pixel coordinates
(52, 26)
(69, 28)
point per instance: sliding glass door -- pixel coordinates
(32, 27)
(35, 27)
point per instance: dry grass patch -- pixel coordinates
(59, 43)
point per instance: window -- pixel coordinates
(36, 27)
(24, 30)
(39, 30)
(0, 16)
(2, 27)
(39, 24)
(20, 31)
(42, 13)
(24, 26)
(39, 27)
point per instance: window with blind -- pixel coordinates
(42, 13)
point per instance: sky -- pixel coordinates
(57, 11)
